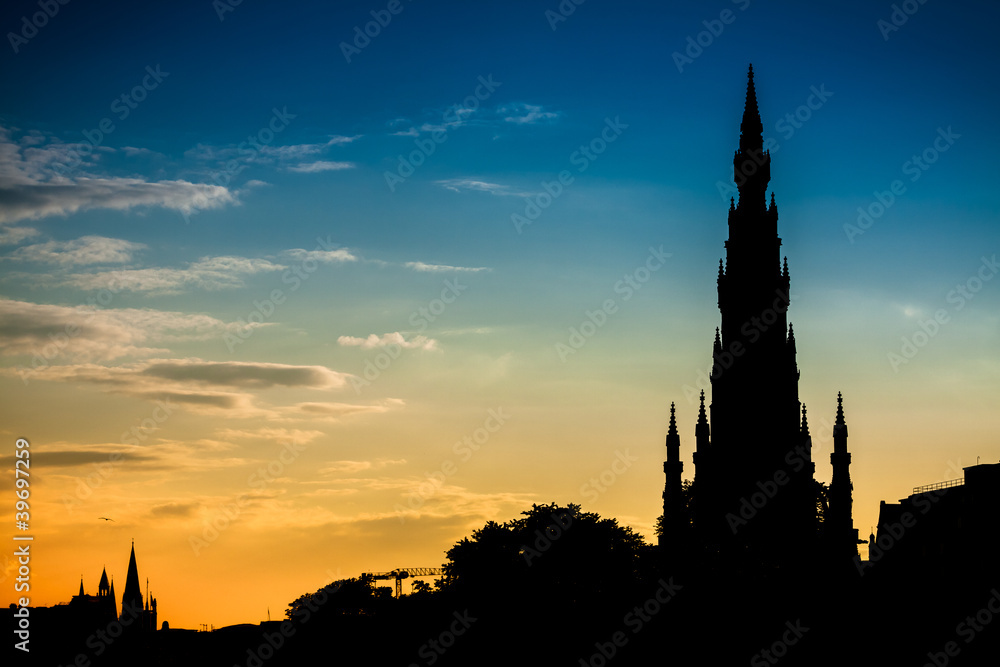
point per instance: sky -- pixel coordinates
(295, 292)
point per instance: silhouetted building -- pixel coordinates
(753, 490)
(92, 611)
(943, 527)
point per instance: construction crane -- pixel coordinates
(404, 573)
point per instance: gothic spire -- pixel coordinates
(702, 419)
(751, 129)
(673, 421)
(805, 421)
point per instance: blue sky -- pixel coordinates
(199, 226)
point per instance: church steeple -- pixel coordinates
(132, 597)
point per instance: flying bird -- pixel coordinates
(105, 518)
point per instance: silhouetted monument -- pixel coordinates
(753, 490)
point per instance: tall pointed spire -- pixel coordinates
(132, 597)
(751, 129)
(81, 586)
(673, 505)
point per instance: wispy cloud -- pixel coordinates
(525, 114)
(82, 251)
(41, 177)
(394, 338)
(320, 165)
(84, 333)
(471, 184)
(444, 268)
(266, 154)
(207, 273)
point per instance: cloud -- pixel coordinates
(321, 165)
(201, 386)
(336, 467)
(277, 435)
(207, 273)
(394, 338)
(14, 235)
(41, 177)
(324, 256)
(81, 251)
(168, 510)
(244, 374)
(266, 154)
(443, 268)
(460, 184)
(525, 114)
(333, 411)
(84, 333)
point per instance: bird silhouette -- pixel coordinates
(105, 518)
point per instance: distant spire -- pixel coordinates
(751, 129)
(673, 421)
(784, 268)
(773, 205)
(701, 429)
(791, 335)
(132, 597)
(722, 271)
(702, 417)
(805, 421)
(840, 410)
(81, 585)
